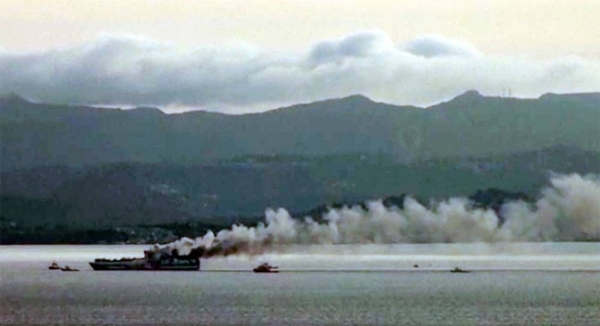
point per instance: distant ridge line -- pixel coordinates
(352, 99)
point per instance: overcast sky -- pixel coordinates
(243, 56)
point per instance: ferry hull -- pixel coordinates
(115, 267)
(152, 261)
(126, 267)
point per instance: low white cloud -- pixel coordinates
(132, 71)
(438, 46)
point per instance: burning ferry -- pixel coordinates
(153, 260)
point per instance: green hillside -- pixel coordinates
(469, 125)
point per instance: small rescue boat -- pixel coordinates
(54, 266)
(266, 268)
(69, 269)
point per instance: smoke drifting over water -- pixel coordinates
(568, 210)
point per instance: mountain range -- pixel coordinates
(470, 125)
(88, 168)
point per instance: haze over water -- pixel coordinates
(510, 283)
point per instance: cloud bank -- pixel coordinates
(568, 210)
(132, 71)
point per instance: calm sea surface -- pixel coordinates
(510, 284)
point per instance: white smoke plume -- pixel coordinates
(123, 70)
(568, 210)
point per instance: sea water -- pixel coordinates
(406, 284)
